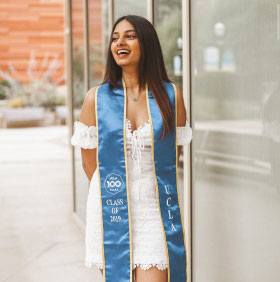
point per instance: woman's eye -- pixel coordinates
(129, 36)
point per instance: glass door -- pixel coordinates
(235, 94)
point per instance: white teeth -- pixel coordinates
(123, 51)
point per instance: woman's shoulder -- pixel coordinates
(176, 87)
(87, 115)
(89, 100)
(90, 95)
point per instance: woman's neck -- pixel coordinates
(131, 79)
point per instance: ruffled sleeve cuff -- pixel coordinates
(84, 136)
(184, 134)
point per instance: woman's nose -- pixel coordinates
(120, 42)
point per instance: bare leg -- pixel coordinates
(153, 274)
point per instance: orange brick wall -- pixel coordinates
(78, 22)
(31, 27)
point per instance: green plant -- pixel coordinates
(40, 91)
(78, 76)
(3, 84)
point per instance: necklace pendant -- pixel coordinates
(134, 99)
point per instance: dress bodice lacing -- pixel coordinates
(138, 144)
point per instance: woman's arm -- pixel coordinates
(87, 116)
(181, 114)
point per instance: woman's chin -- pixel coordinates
(124, 63)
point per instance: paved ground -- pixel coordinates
(39, 240)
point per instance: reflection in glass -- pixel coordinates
(168, 24)
(78, 96)
(98, 39)
(236, 146)
(129, 7)
(78, 54)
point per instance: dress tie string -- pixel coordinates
(137, 145)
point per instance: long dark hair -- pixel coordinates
(151, 68)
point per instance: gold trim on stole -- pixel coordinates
(99, 187)
(127, 188)
(177, 182)
(156, 183)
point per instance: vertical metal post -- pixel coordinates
(86, 47)
(111, 14)
(69, 81)
(150, 11)
(187, 149)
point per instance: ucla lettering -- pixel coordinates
(169, 213)
(168, 204)
(167, 201)
(167, 189)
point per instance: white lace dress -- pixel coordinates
(148, 243)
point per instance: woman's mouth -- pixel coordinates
(122, 53)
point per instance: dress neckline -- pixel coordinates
(139, 127)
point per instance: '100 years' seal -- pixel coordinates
(113, 183)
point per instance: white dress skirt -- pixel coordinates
(148, 242)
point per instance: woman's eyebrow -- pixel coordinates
(125, 31)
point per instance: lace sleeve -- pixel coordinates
(184, 134)
(84, 136)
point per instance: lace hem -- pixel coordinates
(144, 266)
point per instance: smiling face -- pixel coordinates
(125, 45)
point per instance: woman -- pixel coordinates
(135, 58)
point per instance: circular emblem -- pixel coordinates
(113, 183)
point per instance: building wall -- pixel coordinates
(32, 37)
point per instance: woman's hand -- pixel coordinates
(87, 116)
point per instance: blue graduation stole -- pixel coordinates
(116, 234)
